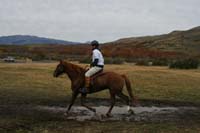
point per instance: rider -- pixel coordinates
(96, 65)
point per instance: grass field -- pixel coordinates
(32, 84)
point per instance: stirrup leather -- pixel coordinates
(87, 82)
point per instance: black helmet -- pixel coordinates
(95, 43)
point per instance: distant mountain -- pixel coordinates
(177, 41)
(27, 39)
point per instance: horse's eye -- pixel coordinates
(61, 68)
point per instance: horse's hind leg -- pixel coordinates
(126, 99)
(83, 96)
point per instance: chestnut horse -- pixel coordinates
(105, 80)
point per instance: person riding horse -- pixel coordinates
(108, 80)
(95, 67)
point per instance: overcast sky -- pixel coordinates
(103, 20)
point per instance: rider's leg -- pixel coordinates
(87, 83)
(88, 74)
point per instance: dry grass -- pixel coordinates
(30, 83)
(33, 82)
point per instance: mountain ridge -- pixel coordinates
(187, 41)
(31, 39)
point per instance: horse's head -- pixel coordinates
(60, 69)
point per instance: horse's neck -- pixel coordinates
(73, 71)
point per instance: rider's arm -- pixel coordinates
(95, 62)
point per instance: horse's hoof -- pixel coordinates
(131, 112)
(94, 110)
(103, 117)
(108, 115)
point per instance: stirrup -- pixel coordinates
(83, 90)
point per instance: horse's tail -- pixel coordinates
(128, 86)
(129, 89)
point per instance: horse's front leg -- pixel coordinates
(74, 96)
(108, 114)
(83, 97)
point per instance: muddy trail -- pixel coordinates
(148, 111)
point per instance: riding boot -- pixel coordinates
(87, 84)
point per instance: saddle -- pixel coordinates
(91, 82)
(96, 75)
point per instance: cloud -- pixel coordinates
(104, 20)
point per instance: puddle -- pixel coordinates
(120, 113)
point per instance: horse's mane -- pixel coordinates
(75, 67)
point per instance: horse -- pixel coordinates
(105, 80)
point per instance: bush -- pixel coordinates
(142, 63)
(114, 60)
(160, 62)
(153, 62)
(86, 60)
(185, 64)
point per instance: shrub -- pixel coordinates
(108, 60)
(86, 60)
(142, 63)
(114, 60)
(152, 62)
(185, 64)
(118, 60)
(160, 62)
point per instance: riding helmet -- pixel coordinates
(95, 43)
